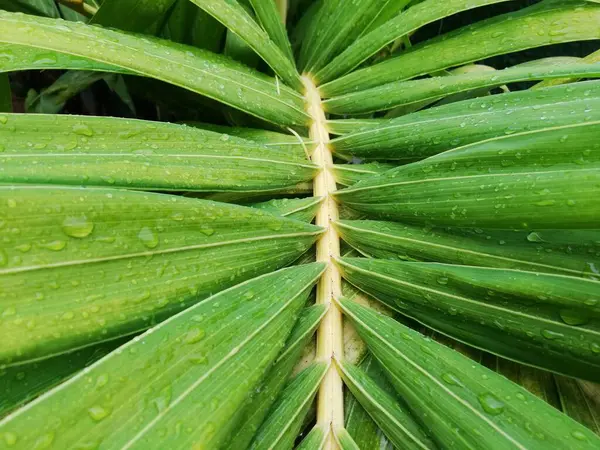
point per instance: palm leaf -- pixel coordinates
(416, 92)
(236, 18)
(102, 151)
(507, 182)
(283, 424)
(32, 42)
(447, 391)
(185, 371)
(534, 318)
(565, 252)
(392, 417)
(425, 133)
(79, 281)
(303, 209)
(392, 29)
(546, 23)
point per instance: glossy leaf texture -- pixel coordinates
(390, 415)
(540, 179)
(580, 400)
(181, 382)
(344, 440)
(358, 422)
(418, 15)
(549, 321)
(546, 23)
(260, 404)
(103, 151)
(315, 440)
(406, 93)
(281, 427)
(233, 15)
(448, 392)
(40, 43)
(567, 252)
(83, 265)
(426, 133)
(336, 25)
(303, 209)
(21, 384)
(268, 16)
(349, 174)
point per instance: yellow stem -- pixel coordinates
(330, 406)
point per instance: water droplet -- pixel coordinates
(491, 404)
(194, 335)
(198, 358)
(452, 379)
(82, 130)
(163, 400)
(148, 237)
(44, 441)
(10, 438)
(98, 413)
(549, 334)
(534, 237)
(77, 226)
(442, 280)
(205, 229)
(571, 317)
(102, 380)
(55, 246)
(579, 435)
(3, 120)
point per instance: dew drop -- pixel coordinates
(491, 404)
(549, 334)
(148, 237)
(82, 130)
(452, 379)
(77, 226)
(10, 438)
(571, 317)
(578, 435)
(55, 246)
(98, 413)
(194, 335)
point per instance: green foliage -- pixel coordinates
(157, 279)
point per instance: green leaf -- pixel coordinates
(545, 23)
(539, 179)
(268, 16)
(336, 26)
(38, 43)
(233, 15)
(53, 99)
(5, 93)
(349, 174)
(189, 375)
(344, 440)
(566, 252)
(131, 15)
(90, 264)
(297, 146)
(21, 384)
(260, 403)
(303, 209)
(104, 151)
(359, 424)
(384, 408)
(283, 424)
(347, 126)
(580, 400)
(448, 391)
(188, 24)
(548, 321)
(394, 94)
(539, 382)
(315, 440)
(425, 133)
(394, 28)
